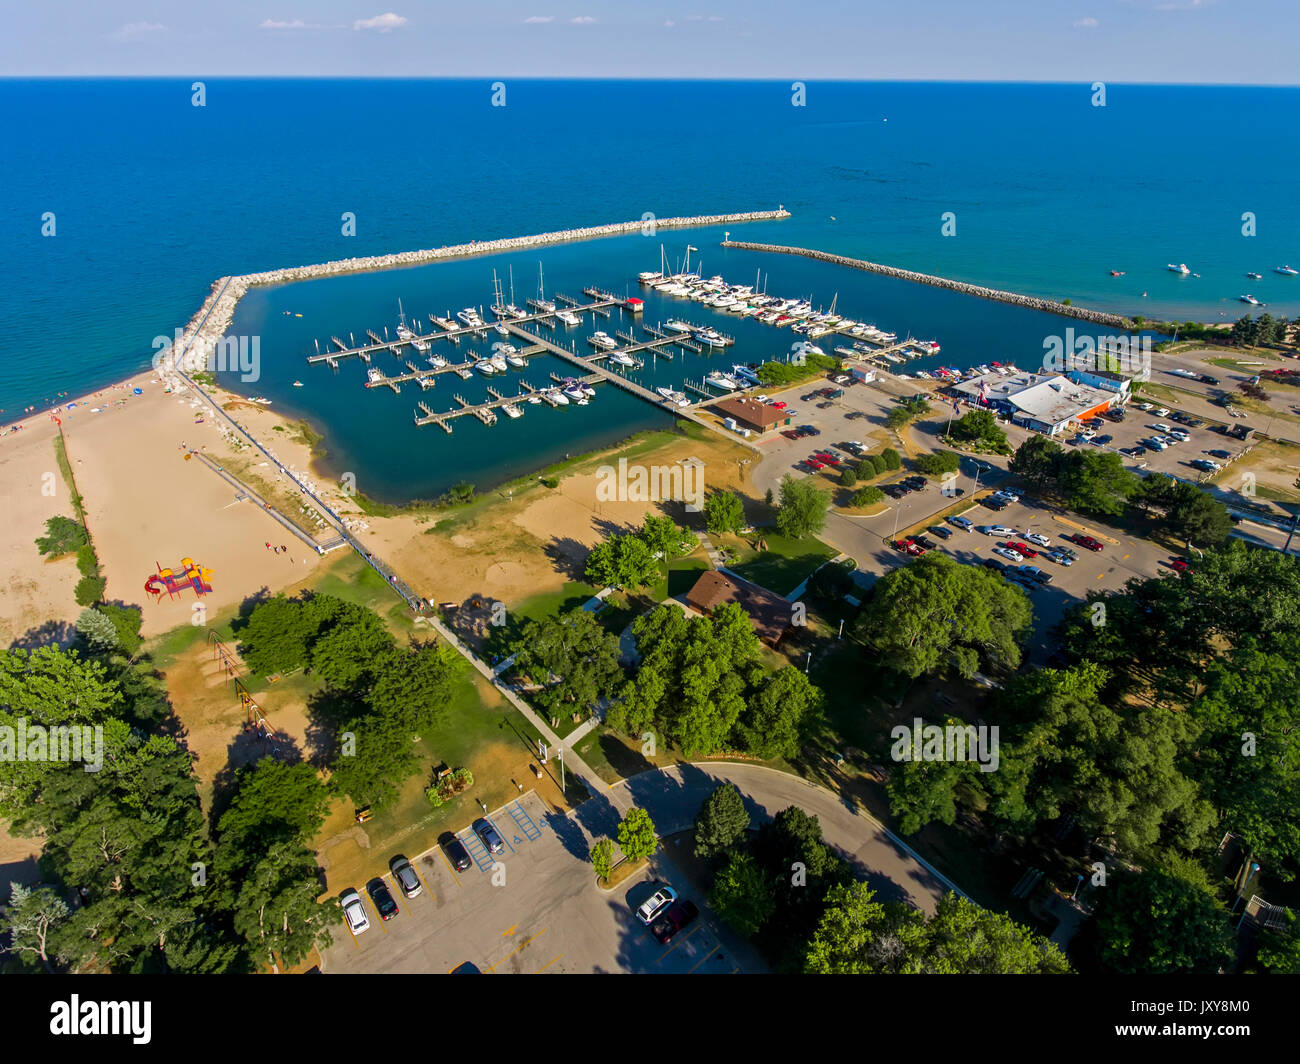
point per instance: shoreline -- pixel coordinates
(998, 295)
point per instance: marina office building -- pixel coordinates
(1046, 402)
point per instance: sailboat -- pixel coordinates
(403, 333)
(543, 304)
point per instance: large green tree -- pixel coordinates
(622, 561)
(802, 508)
(722, 821)
(936, 614)
(723, 512)
(572, 657)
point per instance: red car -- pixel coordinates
(790, 434)
(1023, 549)
(779, 406)
(1088, 542)
(814, 463)
(829, 459)
(1179, 565)
(678, 915)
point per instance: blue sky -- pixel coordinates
(1197, 41)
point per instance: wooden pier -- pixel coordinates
(454, 334)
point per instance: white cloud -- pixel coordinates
(382, 23)
(670, 22)
(1088, 23)
(537, 20)
(277, 24)
(582, 20)
(133, 31)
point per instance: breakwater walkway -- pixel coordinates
(1018, 299)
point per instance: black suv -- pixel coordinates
(455, 851)
(1207, 379)
(383, 899)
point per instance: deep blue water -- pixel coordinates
(154, 198)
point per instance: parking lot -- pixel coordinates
(532, 908)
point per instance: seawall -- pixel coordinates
(213, 318)
(1050, 306)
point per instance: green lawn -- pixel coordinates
(784, 565)
(535, 608)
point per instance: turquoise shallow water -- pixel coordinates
(154, 198)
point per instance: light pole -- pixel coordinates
(897, 510)
(559, 753)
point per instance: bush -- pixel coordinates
(881, 465)
(461, 493)
(551, 482)
(848, 478)
(938, 463)
(89, 590)
(62, 536)
(868, 496)
(97, 632)
(449, 786)
(87, 563)
(892, 458)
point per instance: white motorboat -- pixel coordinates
(603, 340)
(436, 361)
(1248, 299)
(622, 359)
(373, 375)
(558, 396)
(512, 411)
(498, 362)
(575, 393)
(568, 317)
(677, 325)
(1180, 268)
(297, 384)
(485, 367)
(1286, 271)
(516, 359)
(721, 381)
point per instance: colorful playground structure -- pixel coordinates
(191, 576)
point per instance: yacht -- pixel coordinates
(436, 361)
(513, 311)
(1251, 300)
(373, 375)
(744, 373)
(676, 398)
(557, 396)
(927, 347)
(403, 333)
(587, 390)
(501, 329)
(469, 316)
(602, 339)
(516, 359)
(1180, 268)
(621, 359)
(545, 306)
(721, 381)
(420, 345)
(649, 277)
(512, 411)
(534, 398)
(568, 317)
(1287, 271)
(485, 367)
(724, 300)
(575, 393)
(677, 325)
(498, 362)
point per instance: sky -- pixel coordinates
(1163, 41)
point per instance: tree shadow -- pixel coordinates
(62, 633)
(568, 556)
(328, 712)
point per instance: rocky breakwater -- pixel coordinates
(1018, 299)
(213, 318)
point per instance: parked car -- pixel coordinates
(997, 530)
(940, 531)
(963, 523)
(1088, 542)
(1008, 553)
(404, 876)
(382, 898)
(1207, 379)
(1060, 559)
(1022, 548)
(354, 911)
(994, 503)
(925, 541)
(1205, 465)
(1101, 441)
(1036, 574)
(1160, 411)
(1180, 565)
(1007, 494)
(455, 851)
(1039, 538)
(676, 917)
(1225, 455)
(993, 563)
(650, 909)
(488, 834)
(1069, 552)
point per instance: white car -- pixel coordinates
(1157, 443)
(762, 398)
(1160, 411)
(355, 911)
(1145, 406)
(997, 530)
(1008, 553)
(648, 911)
(1181, 435)
(1039, 538)
(1160, 427)
(1006, 493)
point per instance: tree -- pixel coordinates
(275, 906)
(273, 802)
(921, 792)
(1279, 950)
(722, 821)
(936, 614)
(30, 920)
(908, 409)
(602, 857)
(858, 935)
(375, 762)
(663, 536)
(573, 658)
(96, 631)
(868, 496)
(1157, 922)
(803, 508)
(741, 894)
(981, 428)
(414, 685)
(622, 561)
(1095, 482)
(964, 939)
(937, 463)
(848, 478)
(779, 716)
(723, 512)
(277, 636)
(1037, 461)
(349, 656)
(891, 458)
(62, 536)
(126, 621)
(89, 590)
(1189, 512)
(636, 834)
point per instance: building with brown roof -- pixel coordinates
(751, 414)
(768, 611)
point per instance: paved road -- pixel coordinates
(539, 908)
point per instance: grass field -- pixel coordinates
(783, 566)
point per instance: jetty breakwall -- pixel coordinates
(1051, 306)
(213, 318)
